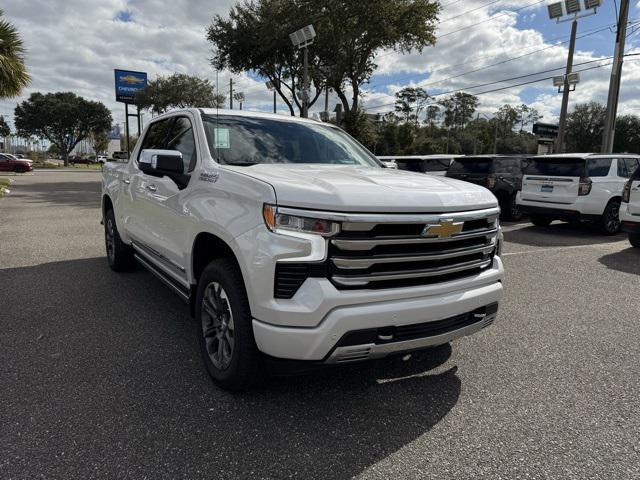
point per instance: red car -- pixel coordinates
(9, 163)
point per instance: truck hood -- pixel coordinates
(367, 189)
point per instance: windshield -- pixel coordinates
(471, 165)
(559, 167)
(236, 140)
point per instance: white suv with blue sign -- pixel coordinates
(576, 187)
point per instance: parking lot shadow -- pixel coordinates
(558, 234)
(75, 194)
(101, 374)
(627, 261)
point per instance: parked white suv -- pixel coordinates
(630, 209)
(576, 187)
(290, 240)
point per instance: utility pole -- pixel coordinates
(231, 94)
(616, 74)
(305, 84)
(567, 89)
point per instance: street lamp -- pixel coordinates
(301, 39)
(569, 10)
(239, 96)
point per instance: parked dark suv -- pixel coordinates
(501, 174)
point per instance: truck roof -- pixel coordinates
(242, 113)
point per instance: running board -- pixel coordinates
(182, 292)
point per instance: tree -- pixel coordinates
(178, 91)
(527, 116)
(459, 109)
(585, 125)
(627, 139)
(63, 118)
(255, 38)
(13, 73)
(99, 142)
(5, 130)
(410, 102)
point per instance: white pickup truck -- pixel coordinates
(290, 240)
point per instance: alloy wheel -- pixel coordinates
(217, 326)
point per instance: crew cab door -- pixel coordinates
(161, 218)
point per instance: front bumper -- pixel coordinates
(322, 342)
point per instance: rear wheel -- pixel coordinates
(540, 220)
(119, 255)
(610, 221)
(225, 335)
(634, 239)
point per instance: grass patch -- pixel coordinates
(45, 165)
(4, 183)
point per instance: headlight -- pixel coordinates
(276, 221)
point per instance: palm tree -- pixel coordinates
(13, 73)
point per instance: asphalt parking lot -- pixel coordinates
(100, 375)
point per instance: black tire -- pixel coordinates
(119, 255)
(510, 210)
(634, 239)
(20, 169)
(540, 220)
(242, 367)
(610, 220)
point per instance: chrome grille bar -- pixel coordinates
(369, 244)
(361, 281)
(366, 262)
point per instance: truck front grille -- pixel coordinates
(395, 254)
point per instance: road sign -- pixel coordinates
(545, 129)
(128, 83)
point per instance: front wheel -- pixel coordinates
(225, 330)
(634, 239)
(119, 255)
(540, 220)
(610, 221)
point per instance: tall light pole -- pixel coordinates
(614, 83)
(301, 39)
(569, 10)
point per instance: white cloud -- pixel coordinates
(75, 45)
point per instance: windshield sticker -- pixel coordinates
(221, 136)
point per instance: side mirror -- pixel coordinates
(161, 162)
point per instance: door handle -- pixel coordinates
(126, 180)
(152, 188)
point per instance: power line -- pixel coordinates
(495, 17)
(469, 11)
(511, 59)
(514, 78)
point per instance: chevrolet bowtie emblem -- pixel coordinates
(445, 229)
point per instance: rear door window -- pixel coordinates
(436, 164)
(557, 167)
(598, 167)
(472, 165)
(508, 165)
(626, 167)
